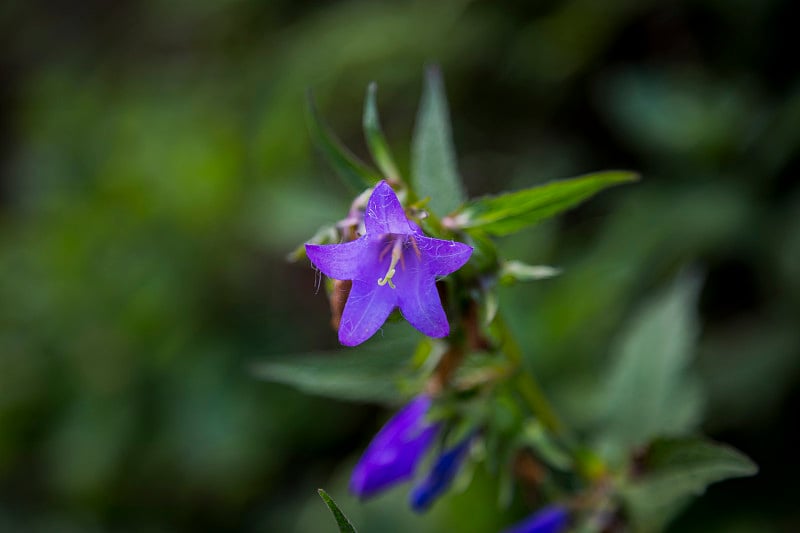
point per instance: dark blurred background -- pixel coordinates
(156, 170)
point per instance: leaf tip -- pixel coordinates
(633, 176)
(624, 175)
(433, 73)
(345, 526)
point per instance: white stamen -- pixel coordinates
(397, 255)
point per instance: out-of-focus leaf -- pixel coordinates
(539, 439)
(368, 373)
(479, 368)
(376, 141)
(670, 112)
(505, 488)
(491, 304)
(346, 165)
(484, 254)
(759, 357)
(324, 235)
(513, 271)
(650, 393)
(341, 520)
(675, 470)
(433, 159)
(507, 213)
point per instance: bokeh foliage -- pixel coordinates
(157, 169)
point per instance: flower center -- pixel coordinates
(396, 244)
(397, 255)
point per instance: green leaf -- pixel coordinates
(484, 255)
(324, 235)
(650, 392)
(341, 520)
(675, 470)
(433, 160)
(535, 435)
(376, 141)
(510, 212)
(346, 165)
(369, 373)
(513, 271)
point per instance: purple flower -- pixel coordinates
(394, 452)
(441, 476)
(552, 519)
(392, 265)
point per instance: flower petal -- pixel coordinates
(394, 452)
(384, 213)
(443, 257)
(339, 261)
(440, 476)
(415, 229)
(552, 519)
(418, 298)
(367, 308)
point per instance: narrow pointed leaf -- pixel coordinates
(675, 470)
(346, 165)
(376, 141)
(433, 159)
(511, 212)
(341, 520)
(368, 373)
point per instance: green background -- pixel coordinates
(156, 170)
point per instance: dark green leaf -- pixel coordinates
(433, 160)
(507, 213)
(346, 165)
(376, 141)
(341, 520)
(367, 373)
(650, 392)
(675, 470)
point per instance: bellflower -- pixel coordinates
(392, 265)
(441, 476)
(393, 454)
(551, 519)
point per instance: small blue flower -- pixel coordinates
(441, 476)
(551, 519)
(392, 265)
(394, 452)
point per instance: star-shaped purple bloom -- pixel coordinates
(392, 265)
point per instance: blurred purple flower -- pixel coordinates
(392, 265)
(394, 452)
(551, 519)
(441, 476)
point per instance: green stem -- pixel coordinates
(589, 466)
(528, 386)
